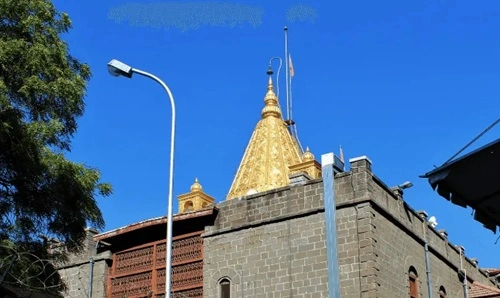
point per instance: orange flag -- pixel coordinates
(292, 72)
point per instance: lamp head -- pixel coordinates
(270, 70)
(405, 185)
(117, 68)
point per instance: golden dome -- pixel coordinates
(307, 156)
(196, 186)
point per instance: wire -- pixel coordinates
(296, 135)
(473, 140)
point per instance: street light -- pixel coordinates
(116, 69)
(405, 185)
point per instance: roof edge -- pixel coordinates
(446, 165)
(153, 222)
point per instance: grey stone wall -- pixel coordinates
(76, 271)
(269, 244)
(273, 244)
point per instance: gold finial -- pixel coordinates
(270, 86)
(271, 108)
(307, 156)
(196, 186)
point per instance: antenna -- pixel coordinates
(289, 66)
(287, 70)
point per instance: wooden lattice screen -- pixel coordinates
(140, 271)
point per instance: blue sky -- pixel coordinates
(407, 83)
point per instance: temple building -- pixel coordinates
(268, 237)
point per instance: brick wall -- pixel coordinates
(273, 243)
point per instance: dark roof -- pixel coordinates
(472, 180)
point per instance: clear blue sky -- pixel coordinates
(407, 83)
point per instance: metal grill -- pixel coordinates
(187, 249)
(131, 285)
(187, 275)
(135, 260)
(140, 271)
(194, 293)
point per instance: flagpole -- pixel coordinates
(290, 65)
(287, 71)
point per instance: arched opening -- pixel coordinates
(225, 288)
(205, 204)
(188, 206)
(442, 292)
(413, 282)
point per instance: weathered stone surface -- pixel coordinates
(77, 273)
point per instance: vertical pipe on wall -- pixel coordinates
(462, 270)
(327, 161)
(91, 268)
(427, 262)
(91, 277)
(428, 269)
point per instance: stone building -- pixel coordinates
(267, 239)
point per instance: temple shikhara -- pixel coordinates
(271, 155)
(267, 238)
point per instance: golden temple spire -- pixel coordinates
(269, 153)
(271, 108)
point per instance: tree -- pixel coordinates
(42, 90)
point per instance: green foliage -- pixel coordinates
(42, 88)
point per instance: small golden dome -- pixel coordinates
(196, 186)
(307, 156)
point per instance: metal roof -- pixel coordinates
(472, 180)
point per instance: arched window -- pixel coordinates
(225, 288)
(205, 204)
(442, 292)
(413, 282)
(188, 206)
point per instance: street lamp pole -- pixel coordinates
(117, 68)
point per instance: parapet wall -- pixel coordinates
(271, 206)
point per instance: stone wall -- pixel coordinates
(274, 243)
(268, 244)
(76, 271)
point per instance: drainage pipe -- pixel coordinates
(91, 264)
(91, 269)
(427, 263)
(464, 282)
